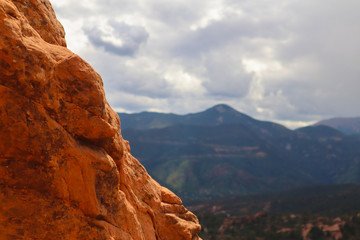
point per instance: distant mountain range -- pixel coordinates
(221, 152)
(217, 115)
(345, 125)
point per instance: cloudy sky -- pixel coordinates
(290, 61)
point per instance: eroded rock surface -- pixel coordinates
(65, 170)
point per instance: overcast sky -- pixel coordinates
(290, 61)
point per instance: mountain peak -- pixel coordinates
(221, 108)
(216, 115)
(345, 125)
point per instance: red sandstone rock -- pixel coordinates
(65, 171)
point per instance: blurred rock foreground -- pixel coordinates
(65, 170)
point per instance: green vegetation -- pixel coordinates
(228, 156)
(320, 212)
(221, 152)
(327, 200)
(351, 230)
(278, 227)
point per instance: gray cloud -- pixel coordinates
(121, 77)
(121, 38)
(226, 77)
(234, 30)
(285, 60)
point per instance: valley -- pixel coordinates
(221, 152)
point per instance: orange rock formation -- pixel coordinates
(65, 170)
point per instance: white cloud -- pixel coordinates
(292, 61)
(214, 12)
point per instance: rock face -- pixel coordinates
(65, 170)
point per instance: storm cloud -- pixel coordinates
(290, 61)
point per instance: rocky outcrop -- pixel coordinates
(65, 170)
